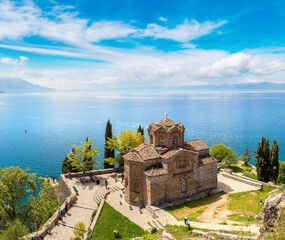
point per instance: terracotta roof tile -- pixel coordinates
(132, 156)
(207, 160)
(196, 145)
(165, 123)
(146, 151)
(155, 172)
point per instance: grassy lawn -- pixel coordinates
(192, 209)
(246, 205)
(246, 170)
(180, 232)
(111, 220)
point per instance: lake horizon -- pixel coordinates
(57, 120)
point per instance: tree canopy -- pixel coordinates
(82, 157)
(246, 156)
(224, 154)
(124, 142)
(15, 186)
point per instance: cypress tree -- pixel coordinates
(263, 163)
(141, 130)
(274, 159)
(108, 153)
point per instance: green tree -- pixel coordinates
(79, 229)
(224, 154)
(16, 185)
(109, 154)
(246, 156)
(124, 142)
(262, 163)
(141, 130)
(66, 165)
(274, 161)
(83, 156)
(281, 175)
(15, 231)
(44, 205)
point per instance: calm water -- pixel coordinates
(56, 121)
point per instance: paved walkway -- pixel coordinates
(89, 196)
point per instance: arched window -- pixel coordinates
(126, 182)
(151, 139)
(182, 163)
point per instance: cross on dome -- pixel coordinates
(166, 114)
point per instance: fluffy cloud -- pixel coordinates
(241, 63)
(156, 69)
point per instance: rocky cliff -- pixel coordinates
(271, 211)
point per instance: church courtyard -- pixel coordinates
(91, 194)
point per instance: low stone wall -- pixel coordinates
(94, 172)
(65, 194)
(243, 180)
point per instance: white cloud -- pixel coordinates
(241, 63)
(181, 33)
(14, 62)
(64, 25)
(163, 19)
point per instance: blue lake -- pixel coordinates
(56, 121)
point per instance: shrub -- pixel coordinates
(79, 229)
(153, 230)
(93, 214)
(149, 237)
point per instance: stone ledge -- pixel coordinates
(243, 180)
(93, 172)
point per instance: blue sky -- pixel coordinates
(142, 44)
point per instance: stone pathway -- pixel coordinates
(90, 195)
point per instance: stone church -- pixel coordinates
(166, 167)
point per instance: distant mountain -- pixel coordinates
(17, 85)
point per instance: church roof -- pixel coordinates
(196, 145)
(206, 160)
(146, 151)
(151, 172)
(132, 156)
(165, 123)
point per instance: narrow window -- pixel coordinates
(174, 141)
(183, 185)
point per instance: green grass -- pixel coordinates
(241, 168)
(248, 203)
(179, 232)
(247, 220)
(111, 220)
(193, 209)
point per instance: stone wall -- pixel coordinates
(206, 177)
(94, 172)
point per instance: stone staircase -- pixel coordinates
(155, 223)
(100, 194)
